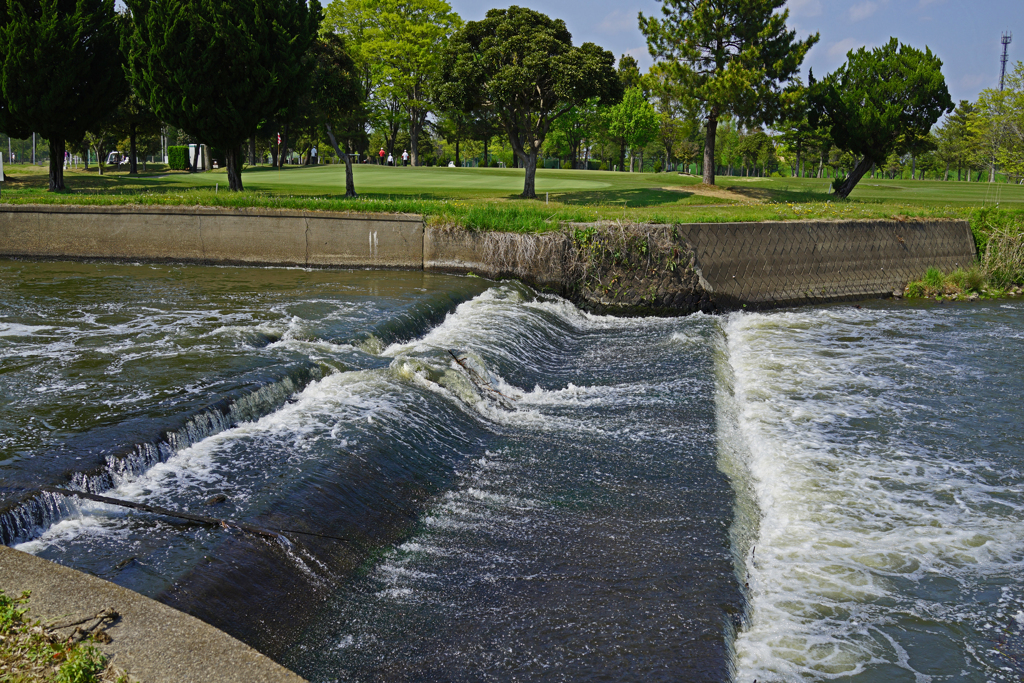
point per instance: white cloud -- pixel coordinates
(618, 22)
(843, 46)
(863, 10)
(804, 8)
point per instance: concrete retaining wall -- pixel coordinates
(210, 235)
(725, 265)
(787, 263)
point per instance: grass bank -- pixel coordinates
(487, 199)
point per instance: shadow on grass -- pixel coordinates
(639, 197)
(782, 194)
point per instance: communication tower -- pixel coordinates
(1007, 39)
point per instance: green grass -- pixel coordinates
(29, 652)
(487, 198)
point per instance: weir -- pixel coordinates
(525, 489)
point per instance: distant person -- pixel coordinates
(451, 164)
(405, 158)
(391, 160)
(380, 156)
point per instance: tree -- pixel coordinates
(522, 66)
(337, 100)
(635, 121)
(878, 103)
(998, 126)
(217, 68)
(60, 71)
(133, 119)
(956, 140)
(731, 56)
(396, 45)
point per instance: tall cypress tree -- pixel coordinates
(60, 70)
(217, 68)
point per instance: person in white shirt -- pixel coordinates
(405, 157)
(391, 160)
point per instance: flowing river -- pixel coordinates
(468, 481)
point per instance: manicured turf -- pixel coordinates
(488, 198)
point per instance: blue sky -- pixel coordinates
(965, 34)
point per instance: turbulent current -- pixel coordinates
(469, 481)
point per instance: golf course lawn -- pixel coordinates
(488, 198)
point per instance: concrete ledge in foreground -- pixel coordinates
(154, 643)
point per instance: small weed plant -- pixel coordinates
(30, 652)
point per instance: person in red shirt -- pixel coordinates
(380, 156)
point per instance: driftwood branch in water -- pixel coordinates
(199, 519)
(210, 521)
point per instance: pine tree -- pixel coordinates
(217, 68)
(731, 56)
(60, 71)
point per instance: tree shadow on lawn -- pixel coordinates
(640, 197)
(782, 194)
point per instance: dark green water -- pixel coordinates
(823, 494)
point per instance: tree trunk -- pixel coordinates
(846, 187)
(631, 159)
(709, 150)
(622, 154)
(56, 164)
(273, 155)
(458, 157)
(946, 178)
(486, 140)
(530, 183)
(284, 145)
(350, 185)
(133, 165)
(414, 141)
(233, 160)
(252, 150)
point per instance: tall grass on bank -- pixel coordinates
(999, 236)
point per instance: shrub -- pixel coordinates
(934, 279)
(177, 157)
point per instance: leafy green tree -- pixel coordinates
(956, 141)
(879, 103)
(396, 45)
(998, 126)
(635, 120)
(522, 66)
(60, 71)
(217, 68)
(572, 131)
(337, 101)
(731, 56)
(133, 120)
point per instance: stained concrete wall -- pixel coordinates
(211, 235)
(788, 263)
(733, 264)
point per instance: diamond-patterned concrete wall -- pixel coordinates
(775, 264)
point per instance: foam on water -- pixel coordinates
(877, 525)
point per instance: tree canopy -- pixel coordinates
(521, 66)
(733, 57)
(60, 71)
(881, 101)
(217, 68)
(634, 120)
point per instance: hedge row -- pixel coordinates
(177, 157)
